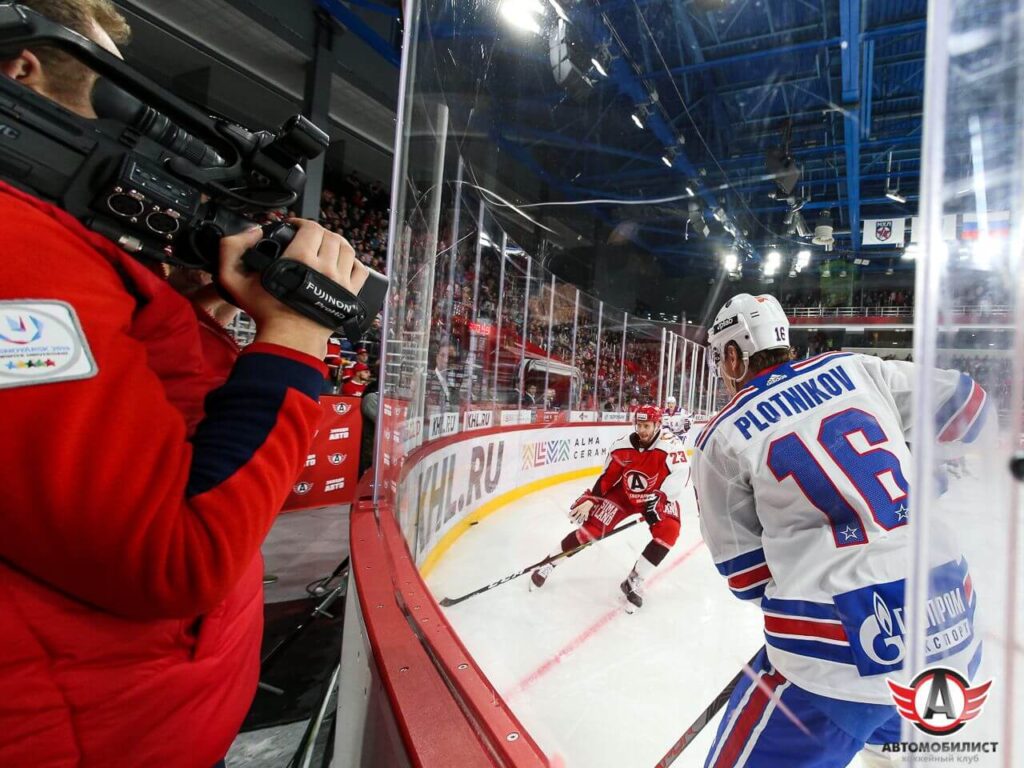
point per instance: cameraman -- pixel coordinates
(144, 463)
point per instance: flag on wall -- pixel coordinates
(884, 231)
(998, 225)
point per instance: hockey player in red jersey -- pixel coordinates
(644, 474)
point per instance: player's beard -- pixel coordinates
(648, 443)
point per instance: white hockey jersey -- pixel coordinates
(677, 422)
(802, 485)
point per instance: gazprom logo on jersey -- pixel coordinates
(548, 452)
(874, 620)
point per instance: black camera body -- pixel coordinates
(161, 179)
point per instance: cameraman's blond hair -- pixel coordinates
(68, 77)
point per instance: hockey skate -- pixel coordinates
(539, 576)
(632, 588)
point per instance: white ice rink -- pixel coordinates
(593, 685)
(599, 688)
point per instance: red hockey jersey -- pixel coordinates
(639, 472)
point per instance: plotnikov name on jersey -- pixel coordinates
(802, 396)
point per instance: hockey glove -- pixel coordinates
(654, 507)
(580, 510)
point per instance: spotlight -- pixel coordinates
(689, 190)
(823, 231)
(599, 68)
(637, 121)
(731, 261)
(895, 196)
(803, 258)
(666, 160)
(522, 14)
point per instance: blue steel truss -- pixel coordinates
(714, 91)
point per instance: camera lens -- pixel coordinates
(125, 205)
(162, 223)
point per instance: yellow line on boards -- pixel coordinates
(492, 506)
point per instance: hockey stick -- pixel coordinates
(449, 601)
(703, 718)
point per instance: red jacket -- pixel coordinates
(352, 388)
(132, 515)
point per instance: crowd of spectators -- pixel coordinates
(868, 298)
(992, 373)
(983, 295)
(358, 211)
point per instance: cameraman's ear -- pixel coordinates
(25, 68)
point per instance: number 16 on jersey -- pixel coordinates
(851, 443)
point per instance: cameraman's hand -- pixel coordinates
(325, 251)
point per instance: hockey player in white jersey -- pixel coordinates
(675, 419)
(802, 488)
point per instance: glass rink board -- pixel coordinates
(817, 560)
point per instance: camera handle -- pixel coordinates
(302, 288)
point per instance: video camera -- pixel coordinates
(163, 180)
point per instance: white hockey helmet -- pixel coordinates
(670, 400)
(755, 323)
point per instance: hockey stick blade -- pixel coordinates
(703, 718)
(447, 602)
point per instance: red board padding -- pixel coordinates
(332, 466)
(470, 727)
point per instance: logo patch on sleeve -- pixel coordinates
(42, 342)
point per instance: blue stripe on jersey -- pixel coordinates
(840, 654)
(954, 403)
(800, 608)
(973, 664)
(741, 562)
(760, 384)
(979, 421)
(737, 400)
(750, 594)
(724, 416)
(241, 413)
(814, 363)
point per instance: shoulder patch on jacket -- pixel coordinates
(41, 342)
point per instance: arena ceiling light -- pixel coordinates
(598, 68)
(772, 262)
(689, 191)
(523, 14)
(892, 194)
(637, 121)
(731, 261)
(803, 259)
